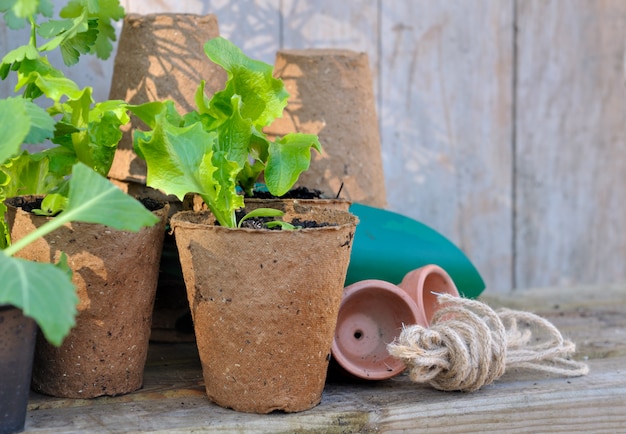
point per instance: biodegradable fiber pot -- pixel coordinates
(17, 344)
(264, 305)
(160, 56)
(424, 284)
(115, 273)
(332, 95)
(371, 316)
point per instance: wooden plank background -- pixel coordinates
(503, 122)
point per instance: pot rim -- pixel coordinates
(180, 219)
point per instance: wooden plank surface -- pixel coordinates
(173, 399)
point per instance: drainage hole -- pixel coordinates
(358, 334)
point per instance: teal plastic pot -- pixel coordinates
(388, 245)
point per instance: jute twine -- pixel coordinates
(469, 345)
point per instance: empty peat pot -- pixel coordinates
(424, 284)
(371, 315)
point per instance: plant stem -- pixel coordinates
(33, 32)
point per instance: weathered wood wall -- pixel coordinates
(503, 122)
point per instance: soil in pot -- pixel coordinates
(115, 273)
(299, 195)
(264, 306)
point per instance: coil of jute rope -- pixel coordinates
(469, 345)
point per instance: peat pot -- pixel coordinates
(264, 305)
(17, 343)
(115, 273)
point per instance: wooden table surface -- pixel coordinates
(173, 400)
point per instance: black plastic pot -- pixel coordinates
(17, 346)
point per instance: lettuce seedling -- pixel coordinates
(86, 136)
(84, 131)
(220, 147)
(45, 292)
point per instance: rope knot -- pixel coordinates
(469, 345)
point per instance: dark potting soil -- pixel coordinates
(259, 222)
(30, 203)
(151, 204)
(294, 193)
(27, 203)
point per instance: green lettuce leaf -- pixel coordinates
(44, 292)
(32, 173)
(263, 96)
(288, 158)
(181, 160)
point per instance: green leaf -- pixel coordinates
(6, 5)
(21, 121)
(100, 13)
(283, 225)
(93, 199)
(202, 101)
(104, 135)
(149, 111)
(51, 205)
(52, 28)
(261, 212)
(44, 292)
(255, 165)
(180, 160)
(46, 8)
(20, 53)
(82, 43)
(60, 160)
(14, 126)
(234, 135)
(29, 174)
(14, 22)
(5, 237)
(25, 8)
(288, 158)
(263, 96)
(50, 81)
(41, 124)
(92, 133)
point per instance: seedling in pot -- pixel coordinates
(220, 147)
(86, 135)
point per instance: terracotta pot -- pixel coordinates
(115, 273)
(264, 306)
(371, 316)
(423, 285)
(17, 344)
